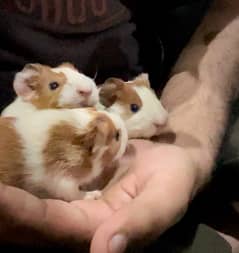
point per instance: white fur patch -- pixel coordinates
(63, 187)
(77, 81)
(18, 108)
(143, 123)
(120, 125)
(84, 118)
(93, 195)
(37, 126)
(97, 165)
(34, 132)
(81, 116)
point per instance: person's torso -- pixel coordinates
(96, 35)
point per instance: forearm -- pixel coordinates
(203, 83)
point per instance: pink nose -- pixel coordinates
(159, 125)
(85, 93)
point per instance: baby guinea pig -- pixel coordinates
(55, 152)
(42, 87)
(136, 103)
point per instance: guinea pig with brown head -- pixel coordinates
(59, 153)
(42, 87)
(136, 103)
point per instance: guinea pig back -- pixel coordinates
(60, 150)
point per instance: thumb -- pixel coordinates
(149, 214)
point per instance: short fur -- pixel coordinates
(32, 86)
(117, 96)
(54, 152)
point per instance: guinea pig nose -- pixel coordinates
(158, 125)
(85, 93)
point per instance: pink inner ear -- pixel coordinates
(21, 88)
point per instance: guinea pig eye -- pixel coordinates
(117, 136)
(53, 85)
(134, 107)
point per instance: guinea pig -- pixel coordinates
(136, 103)
(42, 87)
(59, 153)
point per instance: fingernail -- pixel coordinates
(118, 244)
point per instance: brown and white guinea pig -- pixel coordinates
(42, 87)
(136, 103)
(59, 153)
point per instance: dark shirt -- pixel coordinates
(112, 37)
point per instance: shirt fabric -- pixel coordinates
(111, 37)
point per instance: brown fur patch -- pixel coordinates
(64, 151)
(108, 134)
(11, 156)
(128, 96)
(74, 151)
(116, 90)
(106, 137)
(108, 91)
(44, 96)
(109, 167)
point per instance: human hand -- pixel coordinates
(28, 220)
(152, 197)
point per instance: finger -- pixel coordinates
(116, 196)
(149, 214)
(123, 192)
(53, 219)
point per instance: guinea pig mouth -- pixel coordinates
(158, 128)
(157, 125)
(84, 103)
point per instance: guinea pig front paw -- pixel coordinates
(93, 195)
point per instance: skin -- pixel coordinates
(205, 77)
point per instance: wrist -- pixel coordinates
(204, 163)
(198, 127)
(197, 163)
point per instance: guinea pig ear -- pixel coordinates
(68, 65)
(86, 140)
(109, 91)
(33, 67)
(142, 80)
(116, 81)
(104, 132)
(95, 137)
(25, 83)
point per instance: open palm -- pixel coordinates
(149, 199)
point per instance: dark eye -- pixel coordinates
(54, 85)
(134, 107)
(117, 136)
